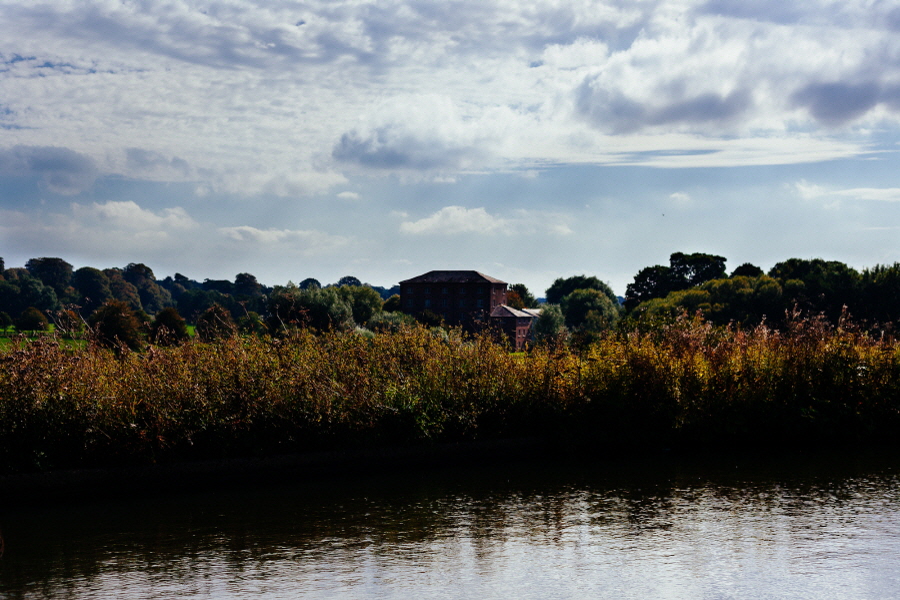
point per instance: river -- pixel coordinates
(661, 527)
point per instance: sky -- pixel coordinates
(527, 140)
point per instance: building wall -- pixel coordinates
(457, 303)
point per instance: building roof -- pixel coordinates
(453, 277)
(506, 311)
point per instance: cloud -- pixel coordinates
(837, 103)
(348, 196)
(809, 191)
(148, 162)
(456, 220)
(60, 170)
(309, 242)
(127, 215)
(418, 132)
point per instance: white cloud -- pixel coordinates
(349, 196)
(307, 241)
(455, 220)
(128, 215)
(811, 191)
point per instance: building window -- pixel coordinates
(462, 290)
(427, 302)
(481, 289)
(427, 290)
(410, 303)
(480, 303)
(462, 303)
(444, 303)
(410, 290)
(444, 290)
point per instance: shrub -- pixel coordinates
(215, 323)
(31, 319)
(168, 328)
(115, 324)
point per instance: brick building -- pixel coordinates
(468, 299)
(464, 298)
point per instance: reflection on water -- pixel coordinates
(635, 530)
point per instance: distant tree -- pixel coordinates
(153, 296)
(310, 283)
(514, 300)
(168, 327)
(20, 290)
(123, 290)
(827, 286)
(429, 318)
(550, 326)
(54, 272)
(390, 322)
(320, 309)
(747, 270)
(223, 286)
(563, 287)
(5, 320)
(392, 304)
(386, 293)
(2, 266)
(880, 294)
(584, 303)
(116, 324)
(246, 284)
(349, 280)
(693, 269)
(215, 324)
(31, 319)
(364, 302)
(92, 288)
(528, 299)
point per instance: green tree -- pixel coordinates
(684, 271)
(20, 290)
(581, 304)
(320, 309)
(310, 283)
(392, 304)
(92, 288)
(168, 327)
(828, 286)
(215, 324)
(747, 270)
(364, 302)
(115, 324)
(123, 290)
(31, 319)
(390, 322)
(349, 280)
(5, 320)
(246, 285)
(153, 296)
(563, 287)
(550, 326)
(527, 298)
(53, 272)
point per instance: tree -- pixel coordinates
(5, 320)
(550, 327)
(349, 280)
(123, 290)
(116, 324)
(246, 284)
(320, 309)
(747, 270)
(390, 322)
(364, 302)
(392, 304)
(527, 298)
(828, 286)
(20, 290)
(581, 304)
(310, 283)
(215, 324)
(68, 322)
(153, 296)
(691, 270)
(53, 272)
(31, 319)
(168, 327)
(92, 288)
(563, 287)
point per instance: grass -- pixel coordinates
(685, 385)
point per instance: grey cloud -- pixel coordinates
(835, 104)
(386, 148)
(613, 111)
(61, 170)
(146, 160)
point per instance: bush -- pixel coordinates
(215, 324)
(31, 319)
(115, 324)
(168, 328)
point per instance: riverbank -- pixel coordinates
(687, 387)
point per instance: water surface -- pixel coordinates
(650, 528)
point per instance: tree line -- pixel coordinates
(578, 309)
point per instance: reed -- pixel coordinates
(686, 384)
